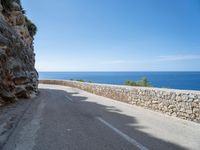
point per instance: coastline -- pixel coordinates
(170, 80)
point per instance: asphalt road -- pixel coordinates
(64, 118)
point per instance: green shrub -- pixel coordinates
(80, 80)
(143, 82)
(130, 83)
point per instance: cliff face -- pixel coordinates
(18, 76)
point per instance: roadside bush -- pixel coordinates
(143, 82)
(130, 83)
(80, 80)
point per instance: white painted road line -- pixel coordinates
(126, 137)
(68, 98)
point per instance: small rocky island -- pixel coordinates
(18, 76)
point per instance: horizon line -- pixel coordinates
(130, 71)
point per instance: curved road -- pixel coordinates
(64, 118)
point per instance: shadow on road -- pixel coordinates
(128, 124)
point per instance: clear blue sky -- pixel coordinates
(116, 35)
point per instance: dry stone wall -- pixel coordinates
(18, 77)
(179, 103)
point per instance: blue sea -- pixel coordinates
(174, 80)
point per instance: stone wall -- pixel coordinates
(179, 103)
(18, 77)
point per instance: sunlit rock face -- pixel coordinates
(18, 76)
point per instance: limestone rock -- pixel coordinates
(18, 76)
(21, 92)
(15, 6)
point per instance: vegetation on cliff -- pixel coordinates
(9, 5)
(32, 28)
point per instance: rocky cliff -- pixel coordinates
(18, 76)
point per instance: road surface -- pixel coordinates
(64, 118)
